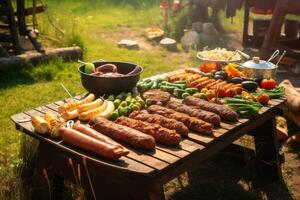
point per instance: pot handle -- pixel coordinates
(274, 55)
(280, 58)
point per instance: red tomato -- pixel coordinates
(268, 84)
(221, 93)
(238, 90)
(263, 99)
(230, 92)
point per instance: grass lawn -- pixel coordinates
(96, 26)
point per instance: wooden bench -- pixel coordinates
(142, 174)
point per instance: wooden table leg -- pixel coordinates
(267, 153)
(57, 189)
(156, 192)
(43, 176)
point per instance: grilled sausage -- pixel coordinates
(95, 134)
(90, 144)
(160, 134)
(192, 123)
(123, 133)
(168, 123)
(224, 112)
(195, 112)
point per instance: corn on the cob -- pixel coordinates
(89, 106)
(72, 105)
(91, 114)
(40, 124)
(70, 114)
(54, 124)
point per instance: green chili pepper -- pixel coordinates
(179, 82)
(200, 95)
(185, 95)
(178, 92)
(167, 88)
(191, 90)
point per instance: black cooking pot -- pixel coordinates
(111, 85)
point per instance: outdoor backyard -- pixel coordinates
(96, 26)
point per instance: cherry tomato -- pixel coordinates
(238, 90)
(268, 84)
(221, 93)
(230, 92)
(263, 99)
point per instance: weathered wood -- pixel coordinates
(156, 158)
(34, 40)
(21, 16)
(267, 153)
(3, 52)
(202, 139)
(68, 53)
(5, 38)
(39, 9)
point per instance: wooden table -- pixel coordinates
(141, 174)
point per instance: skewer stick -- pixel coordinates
(67, 91)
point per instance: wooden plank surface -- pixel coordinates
(156, 159)
(124, 162)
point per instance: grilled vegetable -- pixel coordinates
(274, 93)
(109, 110)
(243, 107)
(191, 91)
(251, 86)
(179, 86)
(258, 80)
(186, 94)
(70, 114)
(178, 92)
(221, 74)
(236, 80)
(54, 124)
(92, 114)
(145, 85)
(40, 124)
(89, 106)
(73, 105)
